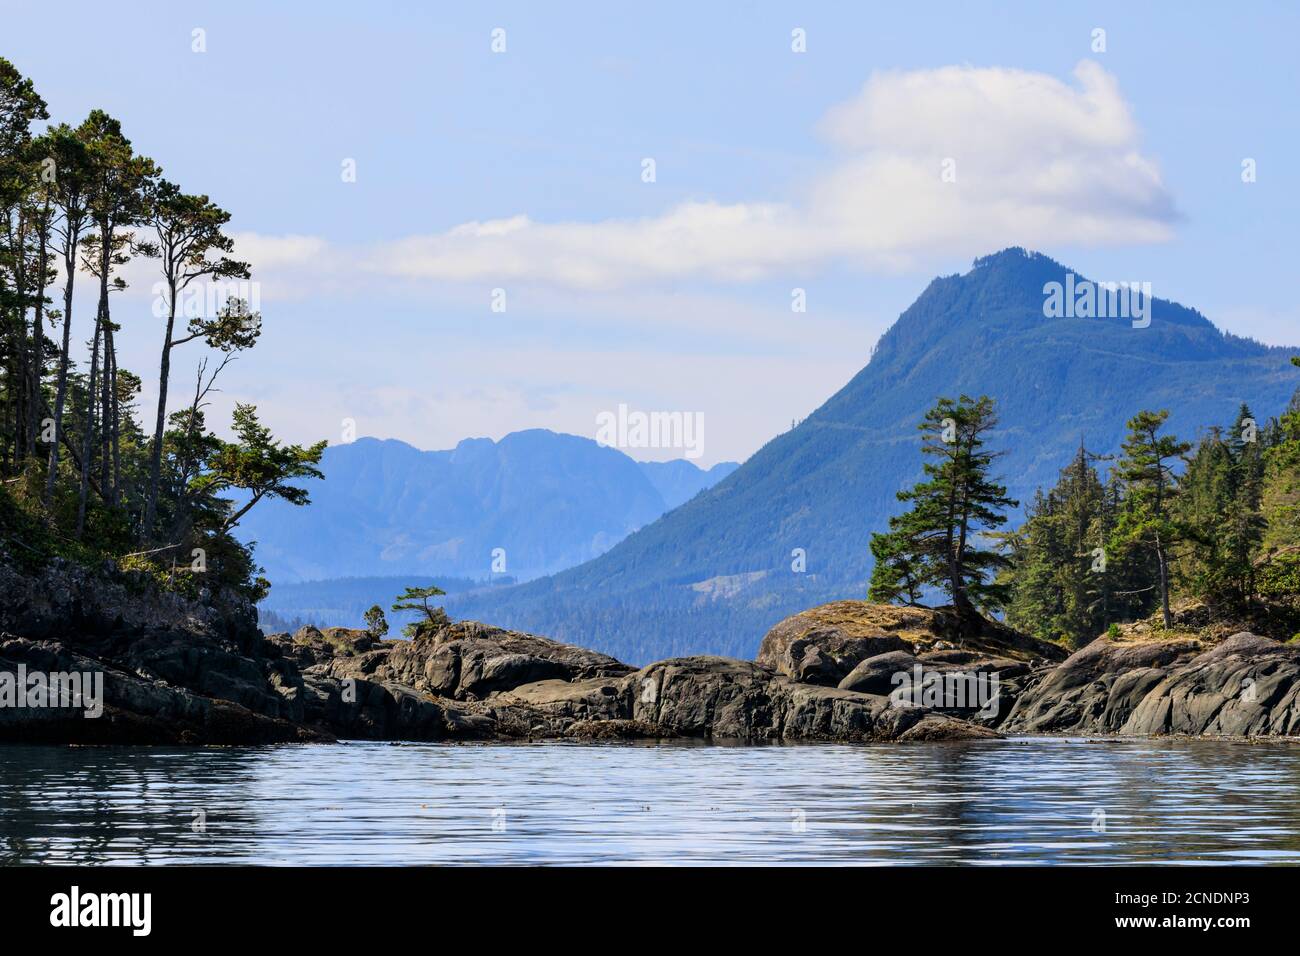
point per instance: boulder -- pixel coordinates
(469, 661)
(719, 697)
(898, 670)
(824, 644)
(875, 675)
(821, 645)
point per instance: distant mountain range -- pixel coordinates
(712, 575)
(533, 503)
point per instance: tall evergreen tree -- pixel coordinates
(189, 244)
(939, 536)
(70, 162)
(118, 179)
(1147, 469)
(23, 265)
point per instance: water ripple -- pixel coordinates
(1038, 800)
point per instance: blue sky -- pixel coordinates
(773, 170)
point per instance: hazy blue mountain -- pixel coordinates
(714, 574)
(679, 481)
(547, 500)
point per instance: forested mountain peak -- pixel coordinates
(822, 487)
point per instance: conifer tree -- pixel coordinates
(190, 245)
(66, 152)
(939, 536)
(1059, 575)
(376, 623)
(1281, 483)
(417, 599)
(894, 576)
(1146, 468)
(1219, 512)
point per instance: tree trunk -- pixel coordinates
(105, 386)
(1163, 562)
(105, 419)
(114, 422)
(160, 422)
(38, 339)
(61, 389)
(18, 372)
(87, 440)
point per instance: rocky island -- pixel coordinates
(179, 671)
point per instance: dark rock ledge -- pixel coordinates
(202, 673)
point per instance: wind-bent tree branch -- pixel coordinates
(260, 465)
(417, 599)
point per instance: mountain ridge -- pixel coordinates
(534, 502)
(826, 484)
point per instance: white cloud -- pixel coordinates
(729, 242)
(276, 252)
(1038, 162)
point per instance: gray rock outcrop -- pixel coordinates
(178, 671)
(824, 644)
(1248, 685)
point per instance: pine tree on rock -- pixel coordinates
(939, 536)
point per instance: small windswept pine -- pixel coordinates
(417, 599)
(937, 542)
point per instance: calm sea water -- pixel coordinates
(1020, 801)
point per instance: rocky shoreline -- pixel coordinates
(201, 672)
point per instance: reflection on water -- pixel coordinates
(1023, 801)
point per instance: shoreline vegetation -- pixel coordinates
(88, 476)
(1152, 591)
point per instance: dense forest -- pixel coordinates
(87, 474)
(1212, 528)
